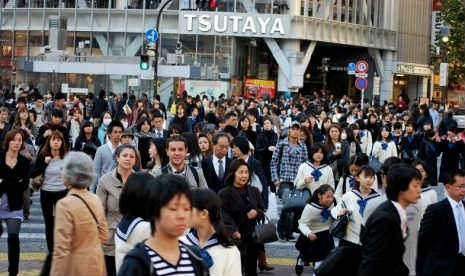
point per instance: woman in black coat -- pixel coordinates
(242, 207)
(14, 180)
(453, 150)
(87, 141)
(428, 152)
(266, 145)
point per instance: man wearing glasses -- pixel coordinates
(441, 240)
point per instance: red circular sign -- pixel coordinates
(362, 66)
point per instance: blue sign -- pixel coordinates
(351, 66)
(151, 35)
(361, 83)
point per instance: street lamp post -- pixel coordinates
(155, 65)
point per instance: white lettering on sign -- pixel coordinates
(217, 27)
(277, 27)
(235, 20)
(249, 25)
(205, 25)
(237, 24)
(190, 18)
(263, 24)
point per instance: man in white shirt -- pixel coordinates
(441, 240)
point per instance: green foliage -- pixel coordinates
(454, 16)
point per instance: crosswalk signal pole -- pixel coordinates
(155, 62)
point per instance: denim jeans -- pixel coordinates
(13, 226)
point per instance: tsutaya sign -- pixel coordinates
(234, 24)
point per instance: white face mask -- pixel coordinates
(106, 122)
(125, 124)
(343, 136)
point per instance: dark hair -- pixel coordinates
(114, 124)
(360, 159)
(134, 195)
(314, 149)
(242, 143)
(60, 96)
(235, 165)
(142, 121)
(157, 114)
(57, 113)
(177, 138)
(229, 115)
(323, 189)
(399, 178)
(266, 118)
(217, 137)
(425, 168)
(160, 145)
(10, 135)
(380, 136)
(205, 199)
(367, 170)
(397, 125)
(122, 147)
(192, 144)
(47, 150)
(453, 174)
(243, 118)
(162, 190)
(388, 163)
(230, 130)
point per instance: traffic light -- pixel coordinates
(144, 62)
(212, 4)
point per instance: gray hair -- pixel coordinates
(78, 170)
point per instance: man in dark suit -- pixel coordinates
(386, 229)
(441, 240)
(215, 167)
(157, 124)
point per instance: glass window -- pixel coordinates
(20, 44)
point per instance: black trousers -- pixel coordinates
(110, 263)
(13, 227)
(249, 257)
(285, 223)
(48, 201)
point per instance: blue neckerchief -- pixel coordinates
(351, 182)
(410, 139)
(384, 146)
(451, 145)
(395, 139)
(362, 202)
(361, 133)
(193, 238)
(325, 214)
(316, 173)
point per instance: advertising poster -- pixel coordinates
(206, 87)
(254, 88)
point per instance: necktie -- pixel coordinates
(159, 135)
(220, 169)
(461, 226)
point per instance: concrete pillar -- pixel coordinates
(121, 4)
(291, 50)
(424, 87)
(387, 82)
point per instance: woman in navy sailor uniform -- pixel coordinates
(316, 172)
(315, 242)
(415, 213)
(384, 147)
(355, 202)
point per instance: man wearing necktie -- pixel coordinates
(157, 124)
(441, 240)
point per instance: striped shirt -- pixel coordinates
(184, 267)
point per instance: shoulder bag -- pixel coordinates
(296, 199)
(339, 227)
(88, 207)
(265, 231)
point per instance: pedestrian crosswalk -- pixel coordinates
(33, 228)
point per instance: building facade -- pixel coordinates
(92, 45)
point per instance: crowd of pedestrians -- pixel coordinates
(131, 187)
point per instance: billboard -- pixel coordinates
(255, 88)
